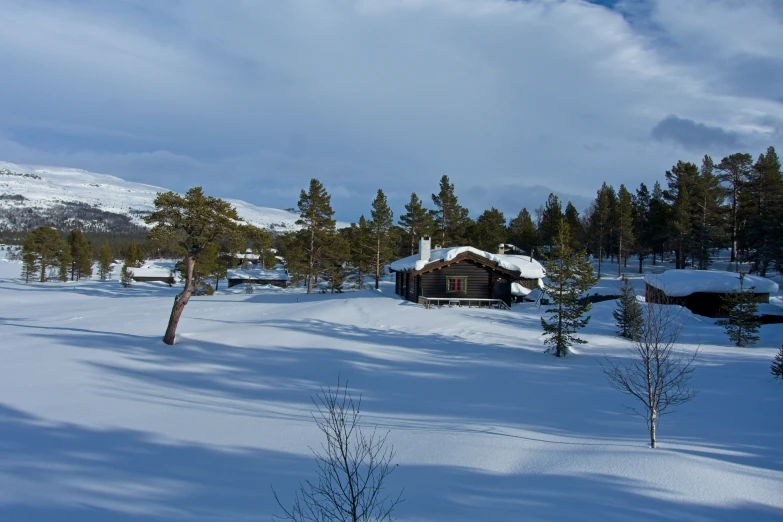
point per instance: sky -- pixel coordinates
(512, 99)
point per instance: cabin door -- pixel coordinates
(502, 290)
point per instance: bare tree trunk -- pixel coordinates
(653, 421)
(180, 301)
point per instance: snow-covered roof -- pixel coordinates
(259, 274)
(679, 283)
(527, 267)
(151, 271)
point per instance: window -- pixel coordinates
(457, 284)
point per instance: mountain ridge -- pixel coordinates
(66, 197)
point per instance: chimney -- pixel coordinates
(502, 248)
(424, 248)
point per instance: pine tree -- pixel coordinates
(105, 261)
(45, 244)
(315, 217)
(734, 171)
(681, 181)
(550, 220)
(195, 221)
(761, 210)
(660, 221)
(361, 249)
(335, 262)
(571, 216)
(64, 263)
(522, 231)
(641, 224)
(777, 364)
(489, 230)
(741, 325)
(624, 226)
(629, 312)
(599, 222)
(450, 218)
(708, 198)
(381, 224)
(416, 221)
(81, 255)
(133, 257)
(570, 274)
(30, 266)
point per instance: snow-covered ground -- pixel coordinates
(101, 421)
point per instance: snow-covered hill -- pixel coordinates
(27, 191)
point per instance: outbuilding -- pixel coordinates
(276, 277)
(704, 292)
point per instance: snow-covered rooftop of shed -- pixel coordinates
(679, 283)
(259, 274)
(151, 271)
(527, 267)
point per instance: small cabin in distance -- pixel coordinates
(463, 273)
(704, 292)
(275, 277)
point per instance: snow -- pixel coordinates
(528, 267)
(55, 185)
(259, 273)
(101, 421)
(679, 283)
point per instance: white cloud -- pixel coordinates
(369, 93)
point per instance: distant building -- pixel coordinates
(277, 277)
(704, 292)
(465, 273)
(153, 273)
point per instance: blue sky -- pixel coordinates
(512, 100)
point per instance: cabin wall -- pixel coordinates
(479, 281)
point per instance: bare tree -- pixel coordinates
(352, 468)
(655, 372)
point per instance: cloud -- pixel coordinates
(693, 135)
(252, 99)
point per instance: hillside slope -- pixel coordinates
(32, 196)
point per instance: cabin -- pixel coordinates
(464, 275)
(152, 273)
(275, 277)
(704, 292)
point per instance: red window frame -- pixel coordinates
(457, 284)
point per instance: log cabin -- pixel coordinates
(464, 274)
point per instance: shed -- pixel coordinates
(153, 273)
(275, 277)
(463, 273)
(704, 292)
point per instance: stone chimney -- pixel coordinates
(424, 248)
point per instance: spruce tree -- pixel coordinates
(126, 276)
(315, 217)
(629, 312)
(64, 263)
(571, 216)
(335, 262)
(381, 224)
(660, 222)
(624, 226)
(741, 325)
(761, 210)
(450, 218)
(681, 182)
(777, 365)
(599, 222)
(570, 275)
(104, 261)
(416, 221)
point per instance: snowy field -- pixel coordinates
(100, 421)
